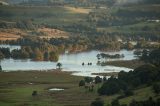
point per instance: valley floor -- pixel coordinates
(16, 90)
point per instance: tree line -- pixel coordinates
(27, 52)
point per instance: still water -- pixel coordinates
(70, 62)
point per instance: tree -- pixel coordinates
(59, 65)
(98, 56)
(1, 56)
(34, 93)
(38, 56)
(82, 83)
(46, 56)
(88, 79)
(115, 103)
(104, 79)
(154, 57)
(133, 103)
(53, 56)
(156, 88)
(24, 54)
(144, 56)
(0, 68)
(128, 92)
(129, 46)
(5, 52)
(98, 79)
(97, 102)
(110, 87)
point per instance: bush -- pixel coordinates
(115, 103)
(98, 79)
(128, 93)
(34, 93)
(104, 79)
(156, 88)
(97, 102)
(82, 83)
(0, 68)
(149, 102)
(88, 79)
(109, 88)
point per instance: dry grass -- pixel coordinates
(14, 33)
(11, 34)
(8, 36)
(78, 10)
(52, 33)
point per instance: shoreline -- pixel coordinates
(115, 74)
(125, 63)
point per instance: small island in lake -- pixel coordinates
(114, 56)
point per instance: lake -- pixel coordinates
(70, 62)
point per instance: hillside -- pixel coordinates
(133, 19)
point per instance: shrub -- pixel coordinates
(156, 88)
(82, 83)
(98, 79)
(104, 79)
(110, 87)
(128, 93)
(115, 103)
(34, 93)
(88, 79)
(97, 102)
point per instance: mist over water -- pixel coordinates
(123, 2)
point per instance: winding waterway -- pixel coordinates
(70, 62)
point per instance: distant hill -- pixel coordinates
(2, 2)
(117, 2)
(22, 1)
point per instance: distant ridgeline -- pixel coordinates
(81, 2)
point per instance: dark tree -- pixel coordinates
(154, 57)
(1, 56)
(88, 79)
(104, 79)
(59, 65)
(97, 102)
(156, 88)
(98, 79)
(34, 93)
(109, 88)
(0, 68)
(82, 83)
(115, 103)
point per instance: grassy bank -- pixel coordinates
(125, 63)
(107, 74)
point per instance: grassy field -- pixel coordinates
(16, 90)
(56, 15)
(139, 27)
